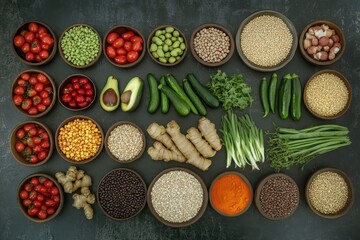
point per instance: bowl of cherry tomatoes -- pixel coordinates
(34, 43)
(77, 92)
(31, 143)
(33, 93)
(40, 197)
(124, 46)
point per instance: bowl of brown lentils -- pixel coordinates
(212, 44)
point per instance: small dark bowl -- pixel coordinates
(21, 55)
(223, 29)
(108, 134)
(66, 121)
(259, 188)
(100, 46)
(101, 182)
(189, 222)
(23, 209)
(247, 183)
(53, 96)
(290, 54)
(21, 159)
(68, 80)
(350, 199)
(149, 43)
(120, 29)
(338, 31)
(347, 84)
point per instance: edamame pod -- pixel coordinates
(285, 97)
(272, 91)
(296, 97)
(154, 93)
(264, 96)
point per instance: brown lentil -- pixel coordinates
(266, 40)
(177, 196)
(328, 192)
(326, 94)
(79, 139)
(211, 44)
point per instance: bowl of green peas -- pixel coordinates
(80, 45)
(167, 45)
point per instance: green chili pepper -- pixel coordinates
(272, 91)
(285, 96)
(264, 96)
(295, 97)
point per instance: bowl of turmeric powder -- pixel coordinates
(230, 194)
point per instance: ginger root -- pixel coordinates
(84, 200)
(201, 144)
(159, 152)
(208, 131)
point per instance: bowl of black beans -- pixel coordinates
(121, 194)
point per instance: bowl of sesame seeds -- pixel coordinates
(266, 41)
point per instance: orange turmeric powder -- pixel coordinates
(230, 194)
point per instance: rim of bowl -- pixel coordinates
(259, 188)
(22, 208)
(66, 81)
(53, 99)
(292, 30)
(347, 84)
(349, 202)
(117, 29)
(247, 183)
(148, 43)
(112, 127)
(69, 120)
(100, 46)
(18, 53)
(145, 189)
(223, 29)
(338, 31)
(201, 210)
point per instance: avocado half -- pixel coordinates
(110, 95)
(130, 98)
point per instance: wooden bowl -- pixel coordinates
(247, 183)
(221, 28)
(107, 138)
(152, 34)
(68, 80)
(62, 54)
(120, 29)
(19, 157)
(350, 199)
(21, 55)
(347, 84)
(52, 95)
(310, 58)
(290, 54)
(182, 224)
(23, 209)
(66, 121)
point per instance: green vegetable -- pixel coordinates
(243, 141)
(232, 90)
(285, 96)
(194, 98)
(164, 99)
(272, 91)
(154, 93)
(179, 104)
(264, 96)
(295, 97)
(202, 91)
(288, 147)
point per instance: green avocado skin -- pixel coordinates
(135, 86)
(110, 95)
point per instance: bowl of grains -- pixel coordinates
(322, 42)
(212, 44)
(327, 94)
(121, 194)
(329, 193)
(79, 139)
(277, 196)
(80, 45)
(266, 41)
(177, 197)
(125, 142)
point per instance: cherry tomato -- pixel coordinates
(19, 146)
(27, 202)
(28, 187)
(42, 214)
(17, 99)
(79, 98)
(44, 54)
(66, 98)
(39, 87)
(34, 181)
(132, 56)
(48, 183)
(36, 140)
(83, 80)
(42, 180)
(38, 58)
(82, 104)
(127, 35)
(42, 29)
(33, 195)
(72, 104)
(45, 144)
(25, 76)
(121, 51)
(73, 94)
(42, 78)
(29, 37)
(50, 211)
(137, 46)
(28, 126)
(76, 85)
(54, 191)
(37, 149)
(40, 198)
(30, 142)
(47, 39)
(37, 203)
(27, 151)
(136, 39)
(128, 46)
(19, 41)
(44, 135)
(46, 101)
(44, 94)
(20, 133)
(89, 92)
(56, 198)
(31, 92)
(120, 59)
(32, 211)
(81, 91)
(88, 86)
(32, 132)
(45, 46)
(36, 99)
(50, 203)
(88, 99)
(48, 89)
(24, 194)
(44, 207)
(33, 111)
(118, 43)
(35, 47)
(33, 159)
(41, 107)
(110, 51)
(41, 155)
(33, 27)
(111, 37)
(37, 187)
(21, 82)
(33, 80)
(26, 104)
(19, 90)
(25, 48)
(74, 80)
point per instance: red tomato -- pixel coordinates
(132, 56)
(19, 146)
(30, 142)
(27, 202)
(21, 82)
(39, 87)
(88, 86)
(27, 151)
(128, 46)
(44, 135)
(29, 37)
(37, 187)
(47, 39)
(74, 80)
(72, 104)
(48, 183)
(44, 94)
(50, 203)
(110, 51)
(76, 85)
(33, 159)
(120, 59)
(118, 43)
(82, 104)
(45, 144)
(33, 111)
(25, 48)
(54, 191)
(19, 41)
(42, 155)
(137, 46)
(33, 80)
(35, 47)
(33, 195)
(17, 99)
(38, 58)
(24, 194)
(26, 104)
(73, 93)
(81, 91)
(31, 92)
(19, 90)
(28, 187)
(37, 203)
(25, 76)
(111, 37)
(83, 81)
(88, 99)
(56, 198)
(89, 92)
(42, 214)
(44, 54)
(40, 198)
(28, 126)
(42, 180)
(46, 101)
(32, 132)
(66, 98)
(42, 29)
(136, 39)
(42, 78)
(36, 140)
(121, 51)
(33, 27)
(32, 211)
(20, 133)
(45, 46)
(44, 207)
(36, 99)
(41, 107)
(127, 35)
(79, 99)
(48, 89)
(50, 211)
(37, 148)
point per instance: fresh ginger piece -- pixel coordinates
(208, 131)
(159, 152)
(84, 201)
(200, 143)
(73, 179)
(186, 147)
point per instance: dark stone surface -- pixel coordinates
(187, 15)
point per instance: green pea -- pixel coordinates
(165, 48)
(163, 60)
(174, 39)
(174, 52)
(160, 52)
(172, 60)
(167, 55)
(176, 44)
(162, 37)
(169, 29)
(168, 42)
(168, 35)
(182, 46)
(180, 39)
(176, 33)
(158, 33)
(153, 47)
(155, 55)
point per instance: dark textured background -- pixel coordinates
(146, 15)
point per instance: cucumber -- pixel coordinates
(173, 83)
(154, 93)
(194, 98)
(164, 99)
(296, 93)
(285, 96)
(264, 96)
(202, 91)
(179, 104)
(272, 92)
